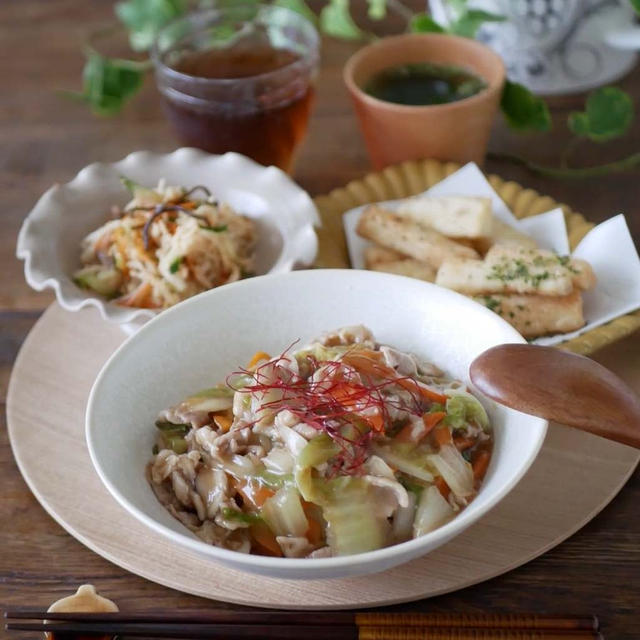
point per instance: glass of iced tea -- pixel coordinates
(239, 78)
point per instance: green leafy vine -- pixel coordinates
(109, 83)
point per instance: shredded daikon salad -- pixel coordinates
(341, 447)
(165, 246)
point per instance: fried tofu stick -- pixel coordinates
(509, 269)
(409, 238)
(374, 254)
(535, 316)
(504, 234)
(476, 277)
(407, 267)
(453, 216)
(581, 273)
(389, 261)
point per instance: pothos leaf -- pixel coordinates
(523, 110)
(336, 21)
(470, 21)
(608, 114)
(636, 5)
(144, 18)
(109, 82)
(377, 9)
(424, 23)
(458, 6)
(223, 4)
(299, 6)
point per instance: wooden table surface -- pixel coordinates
(45, 138)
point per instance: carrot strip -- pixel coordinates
(137, 298)
(349, 396)
(480, 464)
(425, 392)
(315, 532)
(367, 354)
(413, 433)
(430, 420)
(257, 356)
(265, 542)
(442, 435)
(255, 494)
(463, 443)
(406, 434)
(375, 421)
(344, 393)
(364, 363)
(442, 487)
(223, 422)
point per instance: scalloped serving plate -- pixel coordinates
(49, 240)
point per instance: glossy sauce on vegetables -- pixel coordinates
(341, 447)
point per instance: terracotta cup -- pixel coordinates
(456, 131)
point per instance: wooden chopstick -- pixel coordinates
(295, 632)
(319, 618)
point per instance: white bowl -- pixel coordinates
(49, 240)
(200, 341)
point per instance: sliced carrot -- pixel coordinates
(375, 421)
(315, 532)
(368, 362)
(358, 353)
(480, 464)
(430, 420)
(463, 443)
(408, 433)
(442, 487)
(442, 435)
(349, 396)
(257, 357)
(344, 393)
(140, 297)
(425, 392)
(254, 493)
(223, 422)
(363, 362)
(265, 542)
(414, 433)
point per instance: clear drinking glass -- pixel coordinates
(239, 78)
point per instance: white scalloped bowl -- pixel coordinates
(203, 339)
(49, 240)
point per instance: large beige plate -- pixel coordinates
(575, 476)
(413, 177)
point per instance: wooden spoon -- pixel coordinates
(559, 386)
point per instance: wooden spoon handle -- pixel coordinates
(559, 386)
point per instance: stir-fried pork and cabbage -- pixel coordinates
(341, 447)
(165, 246)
